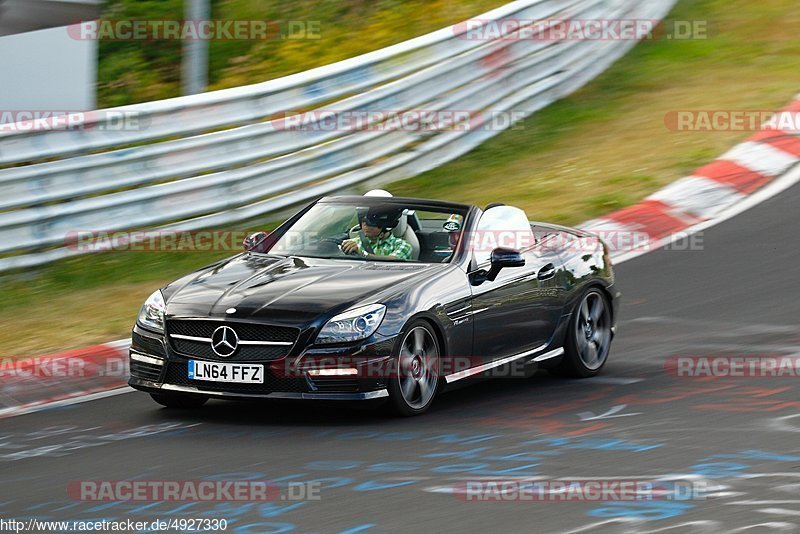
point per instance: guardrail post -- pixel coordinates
(195, 51)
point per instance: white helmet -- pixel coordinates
(377, 193)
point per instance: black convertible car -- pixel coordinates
(358, 298)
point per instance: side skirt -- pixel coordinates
(454, 377)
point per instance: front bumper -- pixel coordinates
(167, 388)
(157, 368)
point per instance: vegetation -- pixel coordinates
(607, 146)
(139, 71)
(598, 150)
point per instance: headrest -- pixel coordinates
(402, 226)
(502, 226)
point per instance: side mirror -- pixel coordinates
(252, 242)
(504, 257)
(500, 258)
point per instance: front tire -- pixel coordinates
(181, 401)
(588, 337)
(415, 373)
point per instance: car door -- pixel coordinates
(519, 310)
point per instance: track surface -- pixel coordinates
(739, 296)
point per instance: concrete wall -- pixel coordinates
(47, 70)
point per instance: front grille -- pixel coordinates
(245, 331)
(145, 371)
(248, 331)
(244, 353)
(178, 374)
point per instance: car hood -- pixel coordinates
(286, 290)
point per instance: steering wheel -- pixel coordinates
(332, 245)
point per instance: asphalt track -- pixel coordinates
(740, 437)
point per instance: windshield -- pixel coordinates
(373, 231)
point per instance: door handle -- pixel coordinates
(547, 272)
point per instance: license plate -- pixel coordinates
(242, 373)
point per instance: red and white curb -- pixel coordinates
(31, 384)
(750, 173)
(678, 209)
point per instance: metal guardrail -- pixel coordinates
(209, 160)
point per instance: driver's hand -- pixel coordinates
(350, 247)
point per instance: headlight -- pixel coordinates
(353, 325)
(152, 313)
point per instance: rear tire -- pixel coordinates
(588, 340)
(181, 401)
(415, 370)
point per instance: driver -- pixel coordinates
(375, 238)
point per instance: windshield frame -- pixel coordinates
(365, 202)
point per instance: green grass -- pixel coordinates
(600, 149)
(606, 146)
(137, 71)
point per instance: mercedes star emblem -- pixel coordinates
(224, 341)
